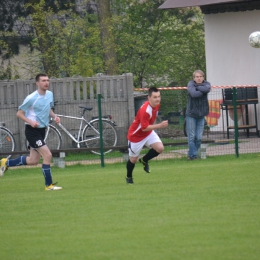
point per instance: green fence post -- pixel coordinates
(100, 131)
(235, 120)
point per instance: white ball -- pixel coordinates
(254, 39)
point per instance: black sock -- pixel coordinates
(130, 167)
(150, 155)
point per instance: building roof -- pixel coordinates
(214, 6)
(186, 3)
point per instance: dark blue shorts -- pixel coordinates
(35, 136)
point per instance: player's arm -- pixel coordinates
(146, 126)
(163, 124)
(21, 114)
(55, 118)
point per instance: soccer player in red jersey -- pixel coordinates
(141, 133)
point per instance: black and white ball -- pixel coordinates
(254, 39)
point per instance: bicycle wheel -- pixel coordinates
(53, 138)
(91, 136)
(7, 142)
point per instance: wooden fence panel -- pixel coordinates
(117, 93)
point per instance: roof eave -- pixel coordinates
(171, 4)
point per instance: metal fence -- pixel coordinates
(227, 130)
(223, 134)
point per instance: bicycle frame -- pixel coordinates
(79, 136)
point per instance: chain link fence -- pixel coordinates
(227, 130)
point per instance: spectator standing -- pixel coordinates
(197, 109)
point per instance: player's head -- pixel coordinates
(42, 82)
(198, 76)
(154, 96)
(151, 90)
(38, 76)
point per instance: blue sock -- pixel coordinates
(46, 170)
(21, 160)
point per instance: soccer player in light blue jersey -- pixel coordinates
(35, 112)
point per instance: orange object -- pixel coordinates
(214, 112)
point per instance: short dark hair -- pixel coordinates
(37, 78)
(151, 90)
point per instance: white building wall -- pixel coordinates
(229, 57)
(230, 60)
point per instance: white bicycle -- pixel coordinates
(7, 142)
(88, 133)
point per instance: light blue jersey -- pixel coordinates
(37, 107)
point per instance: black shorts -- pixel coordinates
(35, 136)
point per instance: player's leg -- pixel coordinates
(6, 163)
(35, 137)
(129, 169)
(45, 152)
(134, 150)
(32, 159)
(154, 142)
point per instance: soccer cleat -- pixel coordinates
(53, 187)
(3, 166)
(145, 164)
(129, 180)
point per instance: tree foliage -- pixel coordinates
(15, 30)
(160, 47)
(107, 37)
(68, 43)
(64, 43)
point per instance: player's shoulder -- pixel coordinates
(142, 109)
(145, 104)
(32, 95)
(49, 93)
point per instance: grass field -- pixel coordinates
(206, 209)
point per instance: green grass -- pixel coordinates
(83, 155)
(206, 209)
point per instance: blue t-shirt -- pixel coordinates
(37, 107)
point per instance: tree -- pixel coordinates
(19, 20)
(64, 43)
(44, 39)
(79, 48)
(159, 47)
(107, 38)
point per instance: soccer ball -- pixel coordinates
(254, 39)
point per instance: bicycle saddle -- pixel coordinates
(86, 108)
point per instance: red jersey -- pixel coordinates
(145, 116)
